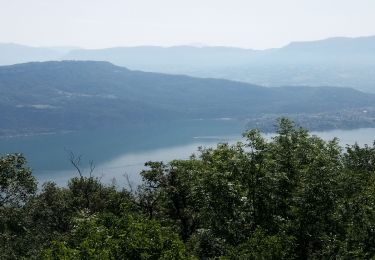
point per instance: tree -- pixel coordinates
(17, 187)
(106, 236)
(17, 184)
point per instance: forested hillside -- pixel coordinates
(292, 197)
(339, 61)
(49, 97)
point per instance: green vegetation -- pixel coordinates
(292, 197)
(63, 96)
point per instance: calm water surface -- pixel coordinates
(116, 152)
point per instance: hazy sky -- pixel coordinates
(255, 24)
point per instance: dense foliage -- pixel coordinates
(292, 197)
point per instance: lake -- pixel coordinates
(124, 150)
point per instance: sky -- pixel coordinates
(256, 24)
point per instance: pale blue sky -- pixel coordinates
(255, 24)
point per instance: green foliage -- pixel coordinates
(16, 182)
(264, 246)
(294, 196)
(110, 237)
(89, 194)
(17, 187)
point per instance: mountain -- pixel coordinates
(177, 59)
(340, 61)
(14, 53)
(69, 95)
(337, 46)
(347, 62)
(154, 58)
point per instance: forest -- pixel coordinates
(59, 96)
(294, 196)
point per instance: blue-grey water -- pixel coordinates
(124, 150)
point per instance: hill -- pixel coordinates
(69, 95)
(348, 62)
(340, 61)
(15, 53)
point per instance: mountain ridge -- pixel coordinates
(339, 61)
(71, 95)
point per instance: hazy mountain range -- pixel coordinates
(348, 62)
(69, 95)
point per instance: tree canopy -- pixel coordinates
(294, 196)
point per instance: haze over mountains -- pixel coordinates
(348, 62)
(70, 95)
(11, 53)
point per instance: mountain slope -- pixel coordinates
(163, 58)
(338, 45)
(68, 95)
(14, 53)
(341, 61)
(348, 62)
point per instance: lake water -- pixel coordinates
(116, 152)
